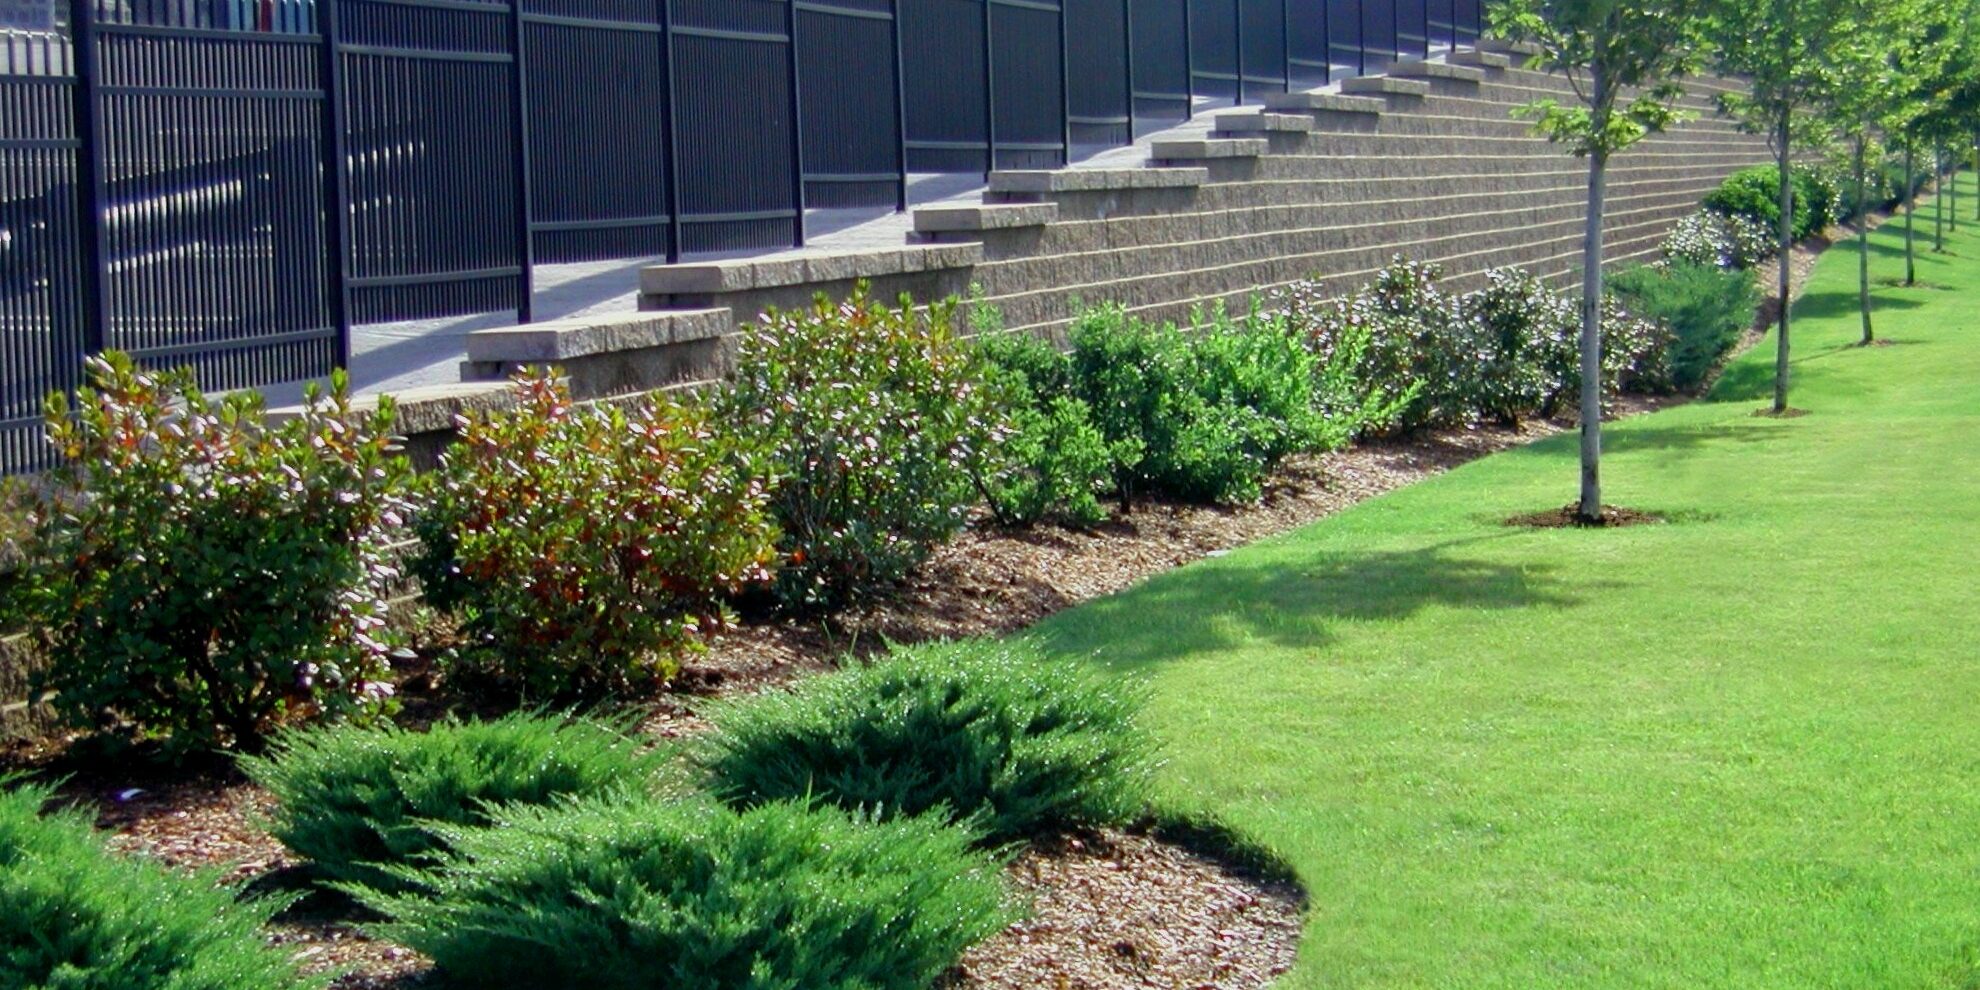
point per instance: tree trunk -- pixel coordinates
(1910, 215)
(1863, 240)
(1952, 190)
(1590, 507)
(1939, 200)
(1786, 262)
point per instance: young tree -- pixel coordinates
(1622, 60)
(1783, 47)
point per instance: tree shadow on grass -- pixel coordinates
(1214, 608)
(1829, 305)
(1683, 439)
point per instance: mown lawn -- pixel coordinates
(1739, 750)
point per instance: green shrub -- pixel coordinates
(1636, 353)
(198, 574)
(635, 894)
(877, 418)
(1706, 310)
(1416, 352)
(359, 803)
(75, 916)
(1054, 462)
(1755, 193)
(1709, 237)
(1520, 330)
(587, 548)
(989, 732)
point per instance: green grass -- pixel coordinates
(1739, 750)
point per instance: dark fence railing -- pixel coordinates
(229, 185)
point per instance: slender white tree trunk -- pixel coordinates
(1783, 133)
(1910, 214)
(1939, 200)
(1590, 508)
(1863, 239)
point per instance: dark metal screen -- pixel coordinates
(229, 185)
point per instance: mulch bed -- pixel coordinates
(1109, 911)
(1569, 517)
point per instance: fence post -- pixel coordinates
(1065, 88)
(674, 225)
(336, 179)
(900, 112)
(989, 93)
(1237, 7)
(1285, 41)
(1189, 60)
(797, 123)
(1127, 40)
(519, 116)
(90, 193)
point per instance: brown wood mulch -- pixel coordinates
(1108, 911)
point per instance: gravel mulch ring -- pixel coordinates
(1569, 517)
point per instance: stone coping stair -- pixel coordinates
(1423, 161)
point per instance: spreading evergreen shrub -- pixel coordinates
(1705, 309)
(982, 731)
(587, 548)
(75, 916)
(199, 574)
(359, 804)
(632, 894)
(877, 418)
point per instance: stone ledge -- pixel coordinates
(427, 409)
(1481, 60)
(1386, 86)
(983, 216)
(1095, 179)
(1436, 70)
(562, 340)
(1257, 123)
(1500, 46)
(1207, 149)
(802, 268)
(1309, 102)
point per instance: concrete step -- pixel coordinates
(1253, 124)
(1045, 182)
(1436, 70)
(1308, 102)
(1205, 149)
(1385, 86)
(1480, 60)
(977, 217)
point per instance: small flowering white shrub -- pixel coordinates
(1720, 240)
(199, 575)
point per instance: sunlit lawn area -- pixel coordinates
(1738, 750)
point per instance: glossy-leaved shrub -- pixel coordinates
(198, 573)
(630, 894)
(1414, 349)
(1754, 193)
(76, 916)
(1708, 237)
(985, 732)
(361, 804)
(1706, 310)
(876, 417)
(1054, 464)
(587, 548)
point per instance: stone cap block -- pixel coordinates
(1095, 179)
(427, 409)
(1488, 60)
(1310, 102)
(562, 340)
(1255, 123)
(1203, 149)
(1436, 70)
(803, 267)
(1504, 47)
(983, 216)
(1386, 85)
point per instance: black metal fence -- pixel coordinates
(231, 184)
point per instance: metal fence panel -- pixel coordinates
(1263, 37)
(1027, 83)
(1379, 45)
(1160, 63)
(1470, 18)
(433, 157)
(214, 247)
(737, 116)
(1214, 47)
(1344, 31)
(1412, 28)
(1307, 57)
(850, 105)
(596, 89)
(1098, 101)
(41, 321)
(944, 56)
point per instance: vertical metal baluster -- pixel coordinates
(519, 117)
